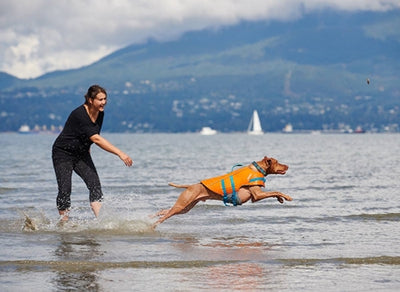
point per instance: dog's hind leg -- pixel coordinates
(185, 202)
(167, 213)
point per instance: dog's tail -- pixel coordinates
(178, 186)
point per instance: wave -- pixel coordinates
(363, 217)
(355, 217)
(39, 223)
(79, 266)
(114, 224)
(375, 217)
(381, 260)
(6, 190)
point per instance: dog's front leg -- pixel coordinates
(257, 194)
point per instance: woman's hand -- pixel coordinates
(126, 159)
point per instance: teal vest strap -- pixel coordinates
(234, 193)
(263, 179)
(225, 193)
(236, 165)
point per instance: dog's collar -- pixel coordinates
(259, 168)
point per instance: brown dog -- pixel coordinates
(236, 187)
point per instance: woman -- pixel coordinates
(71, 151)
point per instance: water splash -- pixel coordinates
(38, 221)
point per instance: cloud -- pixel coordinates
(42, 36)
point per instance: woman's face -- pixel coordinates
(99, 102)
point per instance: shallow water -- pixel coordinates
(340, 232)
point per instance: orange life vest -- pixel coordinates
(231, 182)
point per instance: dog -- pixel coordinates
(236, 187)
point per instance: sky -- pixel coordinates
(40, 36)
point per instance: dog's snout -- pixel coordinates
(282, 168)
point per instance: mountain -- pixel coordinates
(311, 73)
(7, 80)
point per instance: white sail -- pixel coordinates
(255, 125)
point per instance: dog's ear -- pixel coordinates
(267, 162)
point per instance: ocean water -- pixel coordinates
(341, 232)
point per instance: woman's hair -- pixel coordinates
(93, 91)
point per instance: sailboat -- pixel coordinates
(255, 125)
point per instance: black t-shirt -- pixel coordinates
(75, 137)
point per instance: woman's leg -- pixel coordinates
(63, 171)
(87, 171)
(96, 206)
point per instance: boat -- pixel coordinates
(288, 128)
(208, 131)
(255, 125)
(24, 129)
(359, 130)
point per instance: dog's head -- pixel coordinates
(272, 166)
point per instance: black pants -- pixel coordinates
(64, 164)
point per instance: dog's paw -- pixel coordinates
(282, 197)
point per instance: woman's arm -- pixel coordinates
(105, 145)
